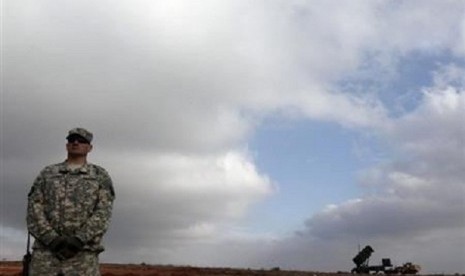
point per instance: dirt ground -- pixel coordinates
(14, 268)
(11, 268)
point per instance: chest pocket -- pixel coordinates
(54, 189)
(85, 191)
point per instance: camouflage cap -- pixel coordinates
(81, 132)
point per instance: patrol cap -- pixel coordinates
(81, 132)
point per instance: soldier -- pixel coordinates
(68, 212)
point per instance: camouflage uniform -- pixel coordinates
(74, 203)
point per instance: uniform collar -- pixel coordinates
(63, 168)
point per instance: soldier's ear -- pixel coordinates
(90, 147)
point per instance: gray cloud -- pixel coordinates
(417, 210)
(173, 90)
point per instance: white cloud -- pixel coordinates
(186, 199)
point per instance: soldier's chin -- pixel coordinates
(76, 154)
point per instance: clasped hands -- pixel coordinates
(65, 247)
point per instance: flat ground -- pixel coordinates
(10, 268)
(14, 268)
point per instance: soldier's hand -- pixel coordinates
(74, 244)
(65, 247)
(65, 254)
(58, 244)
(72, 247)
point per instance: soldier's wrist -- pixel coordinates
(49, 237)
(81, 238)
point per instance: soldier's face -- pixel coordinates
(78, 146)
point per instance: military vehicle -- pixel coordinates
(362, 266)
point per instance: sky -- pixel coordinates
(251, 134)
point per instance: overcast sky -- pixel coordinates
(246, 133)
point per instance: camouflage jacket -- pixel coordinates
(75, 203)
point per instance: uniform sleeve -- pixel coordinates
(37, 222)
(98, 223)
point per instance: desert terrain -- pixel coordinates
(10, 268)
(13, 268)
